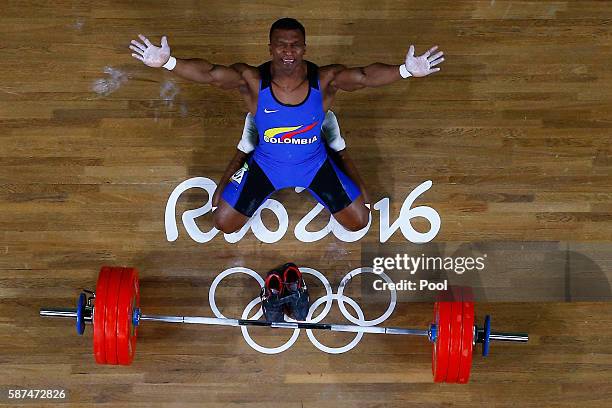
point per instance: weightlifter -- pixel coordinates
(288, 98)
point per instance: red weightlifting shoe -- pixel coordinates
(296, 292)
(272, 301)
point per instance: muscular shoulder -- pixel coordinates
(328, 73)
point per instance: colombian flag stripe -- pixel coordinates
(275, 131)
(296, 132)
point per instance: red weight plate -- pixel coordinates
(455, 341)
(434, 357)
(129, 299)
(442, 319)
(135, 305)
(457, 294)
(110, 317)
(98, 318)
(465, 363)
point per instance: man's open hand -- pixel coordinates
(149, 54)
(423, 65)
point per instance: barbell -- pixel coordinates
(114, 311)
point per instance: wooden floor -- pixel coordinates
(514, 132)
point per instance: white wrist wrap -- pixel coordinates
(171, 63)
(331, 132)
(250, 137)
(404, 72)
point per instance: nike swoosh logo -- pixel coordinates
(269, 111)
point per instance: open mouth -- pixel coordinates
(288, 61)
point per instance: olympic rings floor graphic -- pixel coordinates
(328, 298)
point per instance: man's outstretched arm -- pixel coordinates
(378, 74)
(195, 69)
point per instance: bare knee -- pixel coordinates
(357, 222)
(361, 223)
(226, 224)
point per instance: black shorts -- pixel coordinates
(249, 187)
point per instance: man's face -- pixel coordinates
(287, 47)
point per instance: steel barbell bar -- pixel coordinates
(216, 321)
